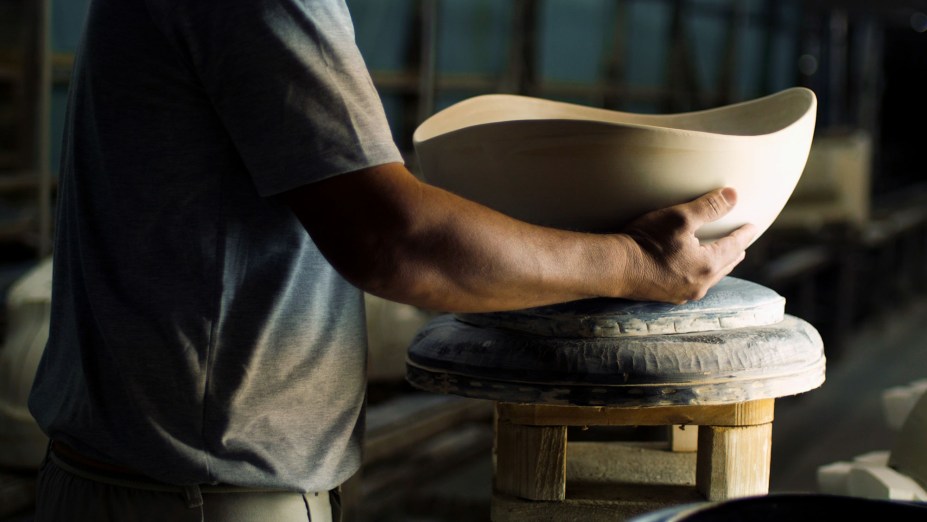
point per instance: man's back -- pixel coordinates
(198, 334)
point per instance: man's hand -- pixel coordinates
(670, 264)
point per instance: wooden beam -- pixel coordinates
(398, 425)
(520, 77)
(682, 76)
(18, 181)
(733, 461)
(615, 64)
(428, 57)
(683, 439)
(530, 461)
(728, 74)
(741, 414)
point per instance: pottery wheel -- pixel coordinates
(734, 345)
(732, 303)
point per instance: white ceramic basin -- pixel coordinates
(582, 168)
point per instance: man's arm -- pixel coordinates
(394, 236)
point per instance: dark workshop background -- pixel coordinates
(849, 252)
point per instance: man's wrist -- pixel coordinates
(619, 264)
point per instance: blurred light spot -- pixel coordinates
(919, 22)
(807, 64)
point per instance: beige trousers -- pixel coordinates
(68, 492)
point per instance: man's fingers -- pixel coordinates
(727, 269)
(710, 207)
(732, 246)
(730, 268)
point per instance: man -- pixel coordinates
(207, 354)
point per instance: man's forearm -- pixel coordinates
(462, 256)
(418, 244)
(407, 241)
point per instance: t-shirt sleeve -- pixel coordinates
(288, 83)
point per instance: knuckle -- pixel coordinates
(715, 207)
(675, 217)
(696, 292)
(698, 281)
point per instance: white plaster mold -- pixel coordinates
(873, 458)
(909, 453)
(882, 483)
(832, 478)
(583, 168)
(22, 443)
(898, 401)
(899, 474)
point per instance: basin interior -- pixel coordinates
(750, 118)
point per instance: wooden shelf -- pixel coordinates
(9, 160)
(19, 181)
(18, 228)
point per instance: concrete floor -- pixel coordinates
(844, 417)
(838, 421)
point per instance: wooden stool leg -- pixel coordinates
(530, 461)
(733, 461)
(683, 438)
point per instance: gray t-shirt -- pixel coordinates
(198, 335)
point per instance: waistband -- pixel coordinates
(85, 467)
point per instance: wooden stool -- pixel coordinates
(718, 364)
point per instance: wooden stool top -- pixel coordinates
(518, 362)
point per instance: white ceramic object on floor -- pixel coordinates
(22, 443)
(868, 476)
(883, 483)
(909, 454)
(582, 168)
(832, 478)
(898, 401)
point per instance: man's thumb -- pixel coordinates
(713, 206)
